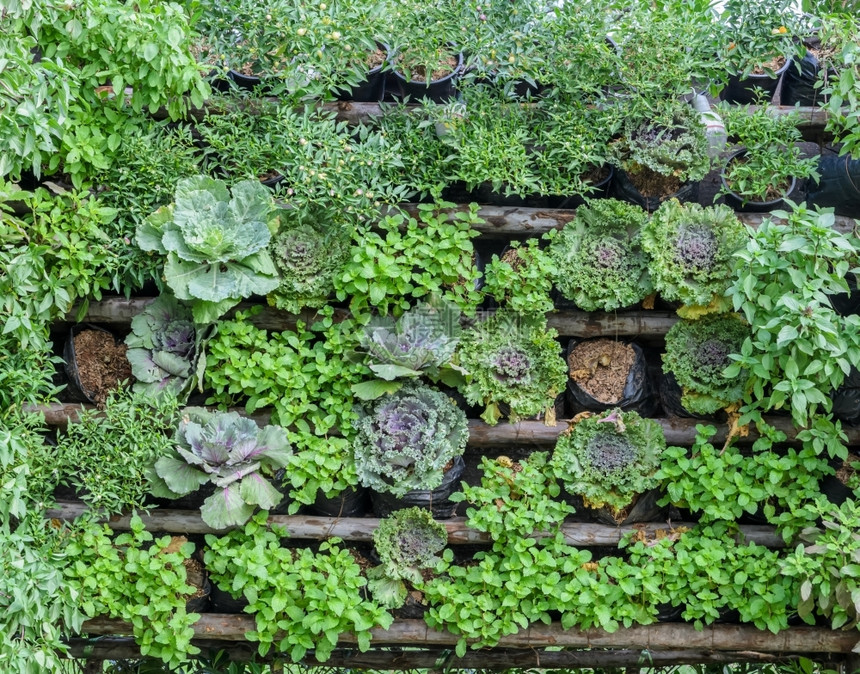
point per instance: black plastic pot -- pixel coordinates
(372, 89)
(438, 91)
(601, 191)
(670, 397)
(272, 182)
(222, 602)
(75, 387)
(798, 83)
(847, 304)
(838, 186)
(846, 399)
(200, 604)
(737, 202)
(644, 509)
(743, 91)
(246, 82)
(622, 188)
(434, 500)
(638, 395)
(351, 502)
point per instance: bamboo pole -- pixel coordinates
(663, 636)
(581, 534)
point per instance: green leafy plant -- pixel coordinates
(841, 91)
(598, 259)
(512, 360)
(301, 599)
(521, 278)
(405, 440)
(412, 258)
(609, 458)
(515, 499)
(692, 249)
(137, 578)
(232, 453)
(407, 542)
(420, 343)
(309, 251)
(164, 348)
(800, 349)
(106, 454)
(771, 158)
(697, 354)
(215, 244)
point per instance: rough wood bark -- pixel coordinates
(658, 637)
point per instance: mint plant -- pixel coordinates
(214, 243)
(521, 278)
(599, 262)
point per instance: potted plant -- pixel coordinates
(164, 348)
(610, 460)
(598, 257)
(692, 252)
(230, 452)
(661, 154)
(407, 543)
(696, 356)
(513, 367)
(760, 175)
(408, 449)
(521, 277)
(214, 243)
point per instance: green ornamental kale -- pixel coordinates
(232, 453)
(407, 542)
(307, 255)
(215, 244)
(404, 440)
(163, 348)
(600, 264)
(697, 354)
(514, 360)
(692, 251)
(609, 458)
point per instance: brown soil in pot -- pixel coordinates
(512, 257)
(196, 576)
(447, 65)
(596, 175)
(845, 471)
(600, 367)
(774, 64)
(376, 58)
(653, 184)
(102, 364)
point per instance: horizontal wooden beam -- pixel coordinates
(665, 636)
(361, 529)
(125, 648)
(530, 434)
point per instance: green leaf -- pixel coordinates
(371, 390)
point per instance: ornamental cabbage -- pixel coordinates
(163, 348)
(407, 542)
(692, 249)
(697, 354)
(512, 360)
(405, 440)
(609, 458)
(215, 244)
(232, 453)
(307, 255)
(600, 264)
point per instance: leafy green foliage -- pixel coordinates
(404, 440)
(697, 354)
(609, 458)
(301, 600)
(521, 279)
(164, 347)
(692, 249)
(19, 438)
(412, 258)
(515, 499)
(841, 93)
(407, 542)
(137, 578)
(598, 256)
(215, 244)
(232, 453)
(514, 360)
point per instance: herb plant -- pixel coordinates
(407, 542)
(598, 257)
(405, 440)
(697, 354)
(232, 453)
(692, 249)
(215, 244)
(521, 278)
(609, 458)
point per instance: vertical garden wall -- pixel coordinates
(411, 335)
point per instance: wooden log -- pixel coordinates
(664, 636)
(124, 648)
(361, 528)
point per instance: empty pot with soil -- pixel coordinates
(96, 363)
